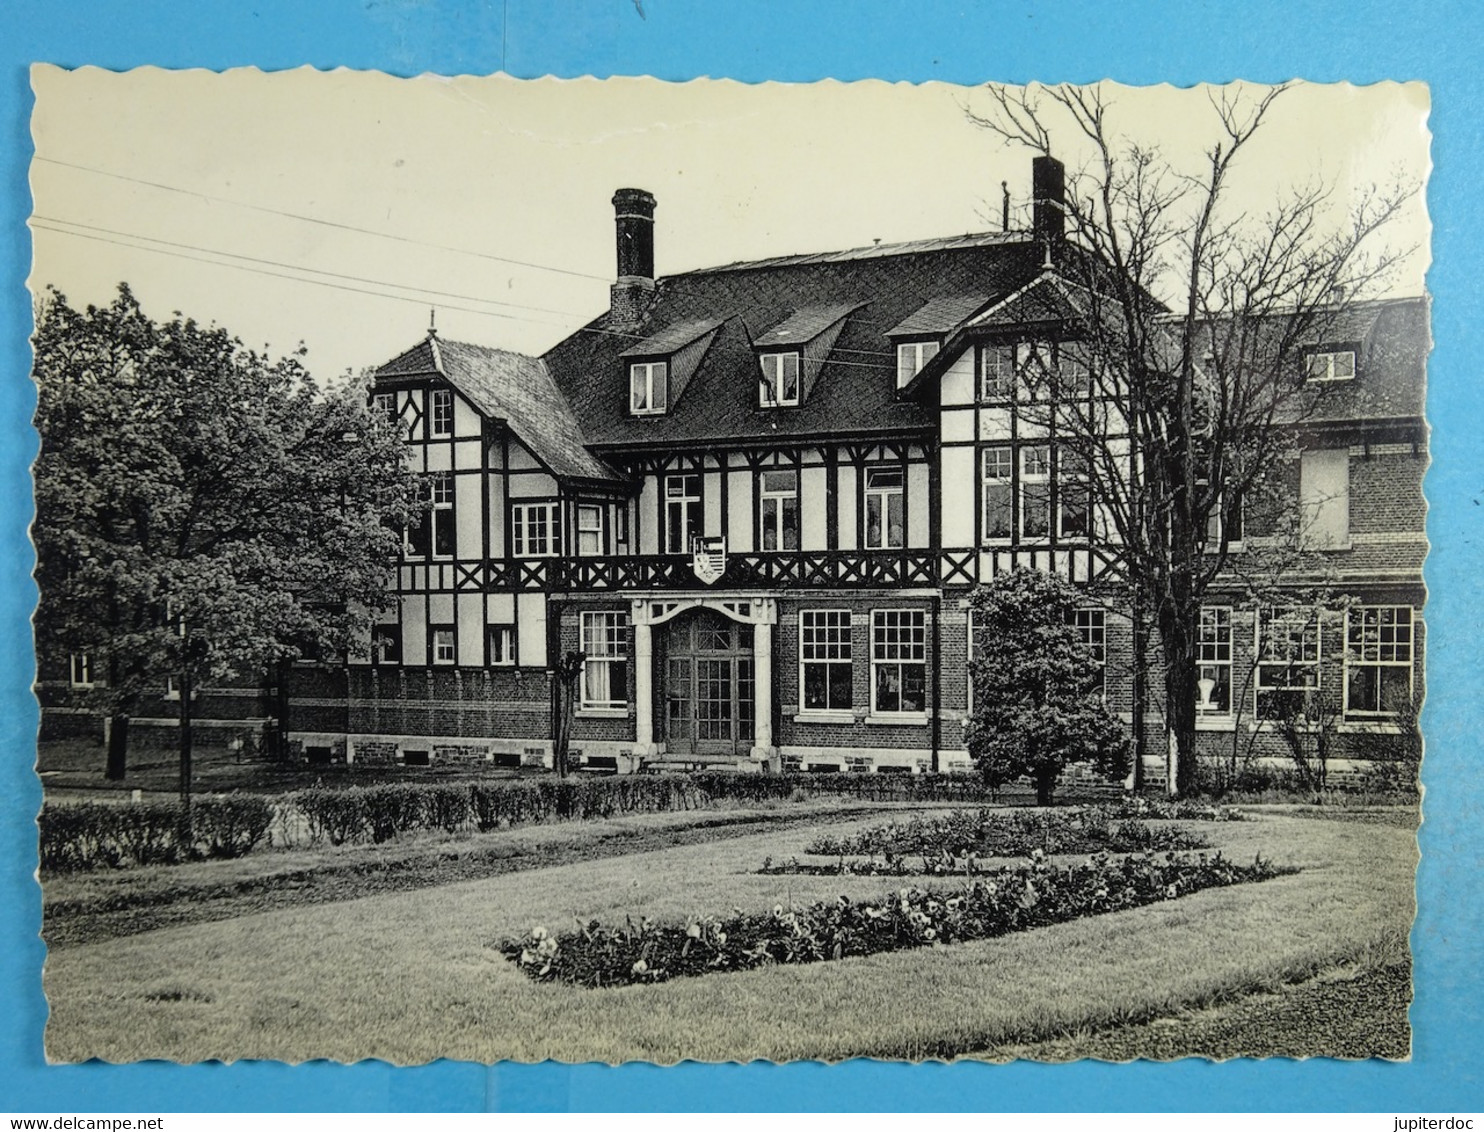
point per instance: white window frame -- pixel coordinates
(652, 379)
(500, 643)
(443, 644)
(688, 517)
(440, 412)
(1366, 648)
(1301, 632)
(385, 405)
(441, 514)
(80, 670)
(996, 372)
(523, 529)
(1092, 623)
(1073, 373)
(589, 530)
(1000, 459)
(1035, 369)
(912, 356)
(1067, 481)
(1213, 654)
(776, 369)
(603, 639)
(379, 643)
(1330, 365)
(882, 494)
(1036, 456)
(825, 642)
(773, 509)
(898, 640)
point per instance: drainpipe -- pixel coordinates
(937, 721)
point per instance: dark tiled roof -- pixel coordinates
(804, 324)
(877, 251)
(671, 338)
(855, 392)
(513, 388)
(938, 316)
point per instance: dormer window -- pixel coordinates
(780, 379)
(1330, 365)
(911, 357)
(648, 388)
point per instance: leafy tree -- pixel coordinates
(1188, 309)
(202, 512)
(1038, 702)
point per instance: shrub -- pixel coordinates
(78, 837)
(329, 814)
(230, 826)
(153, 833)
(391, 809)
(446, 807)
(1009, 900)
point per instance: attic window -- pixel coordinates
(911, 357)
(648, 391)
(1330, 364)
(780, 379)
(442, 412)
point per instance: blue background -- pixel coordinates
(1186, 42)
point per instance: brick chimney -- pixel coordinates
(633, 215)
(1048, 201)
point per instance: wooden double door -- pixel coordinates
(709, 691)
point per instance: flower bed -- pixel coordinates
(1179, 809)
(1011, 899)
(966, 834)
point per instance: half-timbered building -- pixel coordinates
(756, 498)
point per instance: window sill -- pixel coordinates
(1216, 723)
(1369, 727)
(831, 717)
(602, 713)
(905, 719)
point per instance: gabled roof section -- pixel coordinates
(513, 388)
(858, 296)
(668, 340)
(939, 316)
(1045, 300)
(804, 325)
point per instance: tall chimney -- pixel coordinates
(1048, 200)
(633, 215)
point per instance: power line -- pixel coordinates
(319, 220)
(299, 267)
(174, 250)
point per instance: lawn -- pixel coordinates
(411, 976)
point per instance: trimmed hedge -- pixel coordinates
(88, 835)
(91, 836)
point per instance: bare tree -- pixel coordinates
(1177, 392)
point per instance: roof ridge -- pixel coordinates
(966, 241)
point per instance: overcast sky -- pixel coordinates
(337, 208)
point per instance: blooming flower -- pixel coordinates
(640, 967)
(694, 931)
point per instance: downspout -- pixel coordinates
(937, 721)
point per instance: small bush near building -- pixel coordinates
(1009, 900)
(76, 838)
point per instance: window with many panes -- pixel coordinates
(1073, 376)
(999, 492)
(648, 387)
(1378, 660)
(825, 664)
(898, 661)
(434, 529)
(1092, 626)
(682, 512)
(778, 509)
(605, 671)
(780, 379)
(911, 357)
(589, 529)
(442, 644)
(997, 372)
(885, 508)
(1213, 657)
(535, 530)
(440, 412)
(1073, 495)
(1287, 662)
(1035, 490)
(384, 405)
(1330, 365)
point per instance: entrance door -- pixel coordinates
(708, 685)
